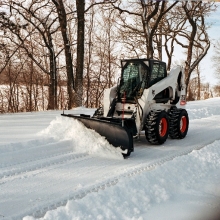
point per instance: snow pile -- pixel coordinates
(82, 139)
(140, 196)
(203, 108)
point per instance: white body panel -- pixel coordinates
(146, 102)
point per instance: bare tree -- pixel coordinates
(89, 53)
(217, 90)
(195, 34)
(69, 66)
(80, 8)
(172, 24)
(32, 14)
(216, 58)
(100, 57)
(147, 16)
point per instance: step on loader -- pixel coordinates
(146, 98)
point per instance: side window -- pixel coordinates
(155, 70)
(158, 71)
(161, 72)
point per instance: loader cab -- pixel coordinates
(133, 79)
(137, 75)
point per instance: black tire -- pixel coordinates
(126, 155)
(157, 127)
(179, 123)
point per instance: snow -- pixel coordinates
(63, 128)
(52, 167)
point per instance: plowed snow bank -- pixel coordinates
(82, 139)
(203, 108)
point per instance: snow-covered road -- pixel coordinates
(48, 161)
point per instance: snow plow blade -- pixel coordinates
(110, 128)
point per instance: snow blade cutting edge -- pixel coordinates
(110, 128)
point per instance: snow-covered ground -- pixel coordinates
(51, 167)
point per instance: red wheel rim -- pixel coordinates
(183, 124)
(163, 127)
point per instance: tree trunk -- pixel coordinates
(199, 84)
(69, 66)
(80, 7)
(52, 100)
(190, 46)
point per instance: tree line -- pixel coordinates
(59, 54)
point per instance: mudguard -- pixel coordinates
(111, 129)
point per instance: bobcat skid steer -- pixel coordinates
(145, 99)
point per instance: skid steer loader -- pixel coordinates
(145, 99)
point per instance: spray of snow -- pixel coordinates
(82, 139)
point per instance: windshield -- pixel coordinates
(133, 80)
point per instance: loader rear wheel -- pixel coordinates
(157, 127)
(179, 123)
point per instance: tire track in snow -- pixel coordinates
(112, 181)
(26, 145)
(40, 165)
(66, 177)
(34, 153)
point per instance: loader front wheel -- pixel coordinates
(157, 127)
(126, 155)
(179, 123)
